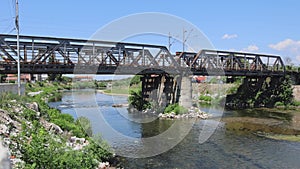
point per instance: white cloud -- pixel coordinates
(229, 36)
(250, 48)
(287, 44)
(288, 47)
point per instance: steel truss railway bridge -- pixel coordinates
(51, 55)
(40, 55)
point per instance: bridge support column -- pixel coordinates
(161, 89)
(165, 89)
(185, 98)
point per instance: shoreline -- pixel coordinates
(111, 94)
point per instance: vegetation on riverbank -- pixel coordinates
(42, 137)
(263, 92)
(176, 108)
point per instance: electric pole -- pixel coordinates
(18, 46)
(183, 39)
(170, 41)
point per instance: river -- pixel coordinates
(223, 149)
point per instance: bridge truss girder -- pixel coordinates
(52, 55)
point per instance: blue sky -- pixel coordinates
(254, 26)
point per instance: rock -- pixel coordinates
(193, 112)
(120, 105)
(3, 129)
(4, 160)
(103, 165)
(56, 129)
(33, 106)
(34, 93)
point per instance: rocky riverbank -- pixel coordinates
(11, 128)
(37, 136)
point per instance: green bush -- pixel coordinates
(205, 98)
(176, 108)
(136, 100)
(278, 104)
(296, 103)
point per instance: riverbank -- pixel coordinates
(109, 92)
(42, 137)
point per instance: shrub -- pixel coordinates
(205, 98)
(176, 108)
(296, 103)
(278, 104)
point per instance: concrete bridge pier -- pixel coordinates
(165, 89)
(185, 98)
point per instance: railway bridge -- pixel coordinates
(165, 75)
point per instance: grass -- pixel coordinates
(124, 90)
(117, 91)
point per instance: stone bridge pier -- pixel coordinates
(165, 89)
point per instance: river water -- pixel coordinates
(222, 149)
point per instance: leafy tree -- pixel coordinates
(135, 80)
(286, 91)
(136, 100)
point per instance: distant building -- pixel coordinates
(199, 79)
(83, 78)
(14, 78)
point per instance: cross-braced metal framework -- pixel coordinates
(62, 55)
(233, 63)
(39, 55)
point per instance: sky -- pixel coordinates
(257, 26)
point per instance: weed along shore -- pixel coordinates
(38, 136)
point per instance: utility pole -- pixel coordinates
(170, 41)
(18, 46)
(183, 39)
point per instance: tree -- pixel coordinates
(286, 91)
(135, 80)
(136, 100)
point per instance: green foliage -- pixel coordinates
(296, 103)
(263, 93)
(101, 84)
(85, 124)
(84, 85)
(213, 80)
(279, 104)
(286, 91)
(45, 150)
(205, 98)
(42, 149)
(176, 108)
(233, 89)
(136, 100)
(29, 115)
(135, 80)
